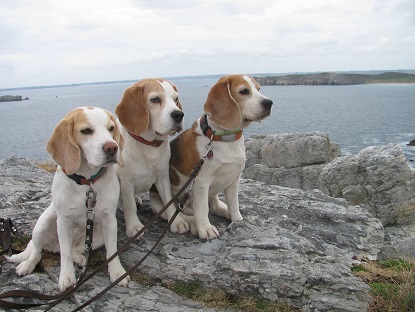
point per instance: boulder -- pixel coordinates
(293, 247)
(378, 178)
(291, 160)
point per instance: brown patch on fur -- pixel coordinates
(184, 154)
(117, 136)
(132, 110)
(62, 145)
(174, 177)
(221, 105)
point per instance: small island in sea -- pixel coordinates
(335, 79)
(11, 98)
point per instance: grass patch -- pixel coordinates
(213, 297)
(391, 283)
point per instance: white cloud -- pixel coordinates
(52, 42)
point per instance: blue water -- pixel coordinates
(354, 116)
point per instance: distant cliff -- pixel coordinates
(10, 98)
(335, 79)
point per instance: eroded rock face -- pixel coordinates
(292, 247)
(292, 159)
(378, 178)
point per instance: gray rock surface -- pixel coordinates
(380, 180)
(293, 247)
(292, 159)
(10, 98)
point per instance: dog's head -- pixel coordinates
(234, 102)
(151, 104)
(88, 134)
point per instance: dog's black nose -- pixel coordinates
(177, 115)
(267, 103)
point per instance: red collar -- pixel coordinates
(154, 143)
(226, 137)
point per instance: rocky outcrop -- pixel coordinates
(11, 98)
(336, 79)
(293, 247)
(379, 179)
(291, 160)
(307, 79)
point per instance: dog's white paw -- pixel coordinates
(26, 267)
(66, 279)
(78, 258)
(219, 208)
(237, 217)
(117, 273)
(208, 231)
(138, 200)
(134, 229)
(179, 225)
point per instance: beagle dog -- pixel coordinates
(85, 144)
(232, 104)
(148, 113)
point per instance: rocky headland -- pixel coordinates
(308, 215)
(335, 79)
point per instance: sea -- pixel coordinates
(354, 116)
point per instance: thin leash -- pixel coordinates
(91, 197)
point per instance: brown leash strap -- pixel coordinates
(132, 269)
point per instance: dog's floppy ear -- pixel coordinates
(63, 147)
(118, 138)
(178, 104)
(132, 111)
(222, 108)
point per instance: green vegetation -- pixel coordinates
(391, 284)
(215, 298)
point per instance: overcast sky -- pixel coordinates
(46, 42)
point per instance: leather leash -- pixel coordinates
(71, 290)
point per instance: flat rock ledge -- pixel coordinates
(293, 246)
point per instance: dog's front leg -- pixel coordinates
(201, 212)
(132, 223)
(231, 196)
(109, 232)
(178, 225)
(65, 235)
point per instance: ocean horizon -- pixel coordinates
(354, 116)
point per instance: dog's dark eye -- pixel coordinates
(244, 92)
(155, 100)
(176, 99)
(87, 131)
(111, 129)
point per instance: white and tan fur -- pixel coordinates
(84, 141)
(151, 109)
(232, 104)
